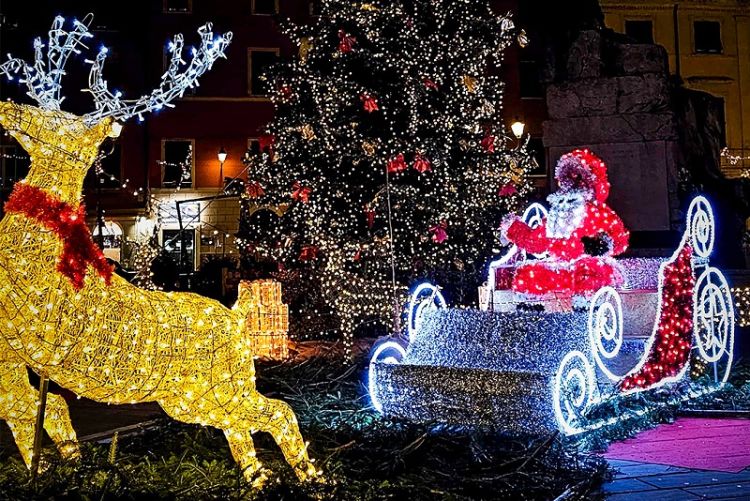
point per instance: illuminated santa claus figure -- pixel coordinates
(580, 235)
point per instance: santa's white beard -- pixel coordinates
(565, 215)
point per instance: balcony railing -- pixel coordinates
(735, 162)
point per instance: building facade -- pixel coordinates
(708, 43)
(173, 155)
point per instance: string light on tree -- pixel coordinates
(383, 120)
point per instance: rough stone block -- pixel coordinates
(626, 128)
(636, 59)
(582, 98)
(584, 56)
(642, 93)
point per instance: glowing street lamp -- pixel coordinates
(222, 155)
(517, 127)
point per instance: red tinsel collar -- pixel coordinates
(69, 224)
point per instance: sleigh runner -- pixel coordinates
(513, 366)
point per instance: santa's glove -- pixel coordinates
(505, 225)
(599, 245)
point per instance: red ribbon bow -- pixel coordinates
(309, 253)
(301, 193)
(254, 190)
(346, 42)
(69, 224)
(488, 143)
(439, 235)
(397, 164)
(421, 164)
(369, 103)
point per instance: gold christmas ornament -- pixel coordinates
(470, 83)
(308, 134)
(523, 38)
(104, 338)
(368, 148)
(305, 46)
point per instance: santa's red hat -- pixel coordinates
(581, 170)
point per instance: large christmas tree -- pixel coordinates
(387, 153)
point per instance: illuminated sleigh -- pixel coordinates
(529, 371)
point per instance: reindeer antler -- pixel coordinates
(44, 83)
(174, 82)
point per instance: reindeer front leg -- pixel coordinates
(18, 406)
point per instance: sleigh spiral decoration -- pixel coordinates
(574, 392)
(606, 328)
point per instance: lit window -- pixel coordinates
(177, 163)
(172, 242)
(640, 31)
(707, 35)
(265, 7)
(258, 62)
(178, 6)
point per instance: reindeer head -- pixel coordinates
(58, 140)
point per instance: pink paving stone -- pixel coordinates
(706, 444)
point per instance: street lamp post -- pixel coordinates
(222, 157)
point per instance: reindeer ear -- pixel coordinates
(115, 129)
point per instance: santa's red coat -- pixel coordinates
(568, 268)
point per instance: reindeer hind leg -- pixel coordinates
(278, 419)
(58, 426)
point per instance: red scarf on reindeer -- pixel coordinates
(69, 224)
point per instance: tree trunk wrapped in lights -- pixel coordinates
(70, 319)
(387, 134)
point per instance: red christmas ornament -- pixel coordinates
(346, 42)
(254, 190)
(421, 164)
(508, 190)
(69, 224)
(369, 103)
(370, 213)
(285, 92)
(488, 143)
(429, 83)
(396, 164)
(301, 193)
(439, 235)
(309, 253)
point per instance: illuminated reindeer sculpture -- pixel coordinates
(65, 315)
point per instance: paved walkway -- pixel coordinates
(692, 458)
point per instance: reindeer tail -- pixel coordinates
(263, 316)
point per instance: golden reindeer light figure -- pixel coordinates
(65, 315)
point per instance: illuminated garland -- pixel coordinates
(397, 89)
(669, 352)
(741, 297)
